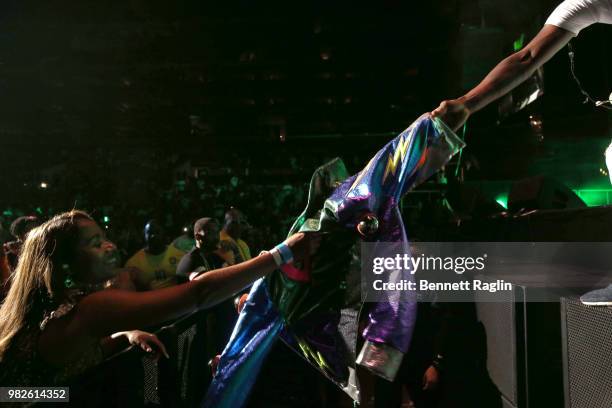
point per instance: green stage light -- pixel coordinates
(519, 42)
(593, 197)
(502, 200)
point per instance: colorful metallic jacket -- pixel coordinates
(320, 318)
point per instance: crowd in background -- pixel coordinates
(124, 191)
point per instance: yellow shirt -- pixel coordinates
(233, 251)
(156, 271)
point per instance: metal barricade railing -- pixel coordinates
(130, 379)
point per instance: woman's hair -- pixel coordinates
(37, 284)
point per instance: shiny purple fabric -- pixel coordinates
(409, 159)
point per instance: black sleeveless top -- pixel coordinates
(22, 364)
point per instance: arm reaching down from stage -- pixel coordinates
(564, 23)
(506, 76)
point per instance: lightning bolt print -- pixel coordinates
(399, 154)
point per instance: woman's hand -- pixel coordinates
(452, 112)
(303, 244)
(146, 341)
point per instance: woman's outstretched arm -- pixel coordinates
(112, 310)
(103, 313)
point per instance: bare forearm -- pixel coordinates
(516, 68)
(110, 311)
(507, 75)
(218, 285)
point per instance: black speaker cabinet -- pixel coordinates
(523, 340)
(587, 354)
(504, 328)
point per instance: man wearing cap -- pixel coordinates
(216, 324)
(205, 255)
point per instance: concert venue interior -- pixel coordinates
(152, 115)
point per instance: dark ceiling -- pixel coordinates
(77, 74)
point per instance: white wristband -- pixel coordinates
(277, 256)
(285, 252)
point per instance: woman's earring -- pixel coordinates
(68, 282)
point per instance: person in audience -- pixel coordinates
(234, 249)
(19, 229)
(58, 310)
(220, 320)
(205, 255)
(156, 262)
